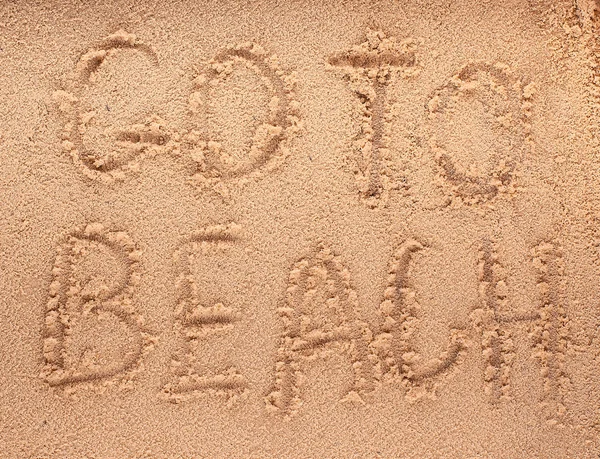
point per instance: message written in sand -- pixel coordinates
(369, 68)
(96, 272)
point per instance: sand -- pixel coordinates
(360, 229)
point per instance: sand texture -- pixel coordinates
(300, 229)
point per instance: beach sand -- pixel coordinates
(360, 229)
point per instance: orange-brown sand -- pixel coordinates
(261, 229)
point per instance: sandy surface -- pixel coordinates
(300, 229)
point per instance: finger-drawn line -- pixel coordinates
(496, 338)
(551, 334)
(369, 68)
(130, 144)
(508, 101)
(270, 140)
(70, 299)
(392, 348)
(196, 321)
(549, 322)
(319, 319)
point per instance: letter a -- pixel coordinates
(319, 317)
